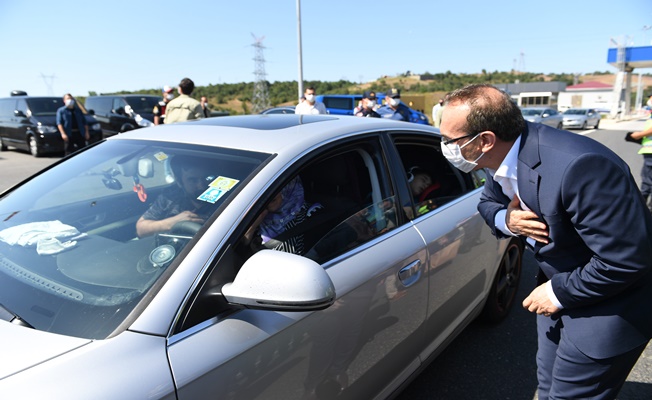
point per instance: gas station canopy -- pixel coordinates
(635, 57)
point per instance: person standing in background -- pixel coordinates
(184, 107)
(72, 125)
(159, 109)
(310, 105)
(204, 107)
(436, 113)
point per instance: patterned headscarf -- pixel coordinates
(275, 222)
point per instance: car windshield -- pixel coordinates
(575, 111)
(530, 112)
(71, 260)
(142, 104)
(47, 106)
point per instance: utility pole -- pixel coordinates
(260, 99)
(617, 96)
(300, 81)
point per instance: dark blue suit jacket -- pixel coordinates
(599, 258)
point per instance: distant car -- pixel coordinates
(580, 118)
(29, 123)
(279, 110)
(343, 104)
(123, 112)
(374, 282)
(542, 115)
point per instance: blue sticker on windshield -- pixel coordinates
(211, 195)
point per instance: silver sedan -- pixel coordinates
(269, 257)
(543, 115)
(581, 118)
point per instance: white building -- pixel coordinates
(587, 95)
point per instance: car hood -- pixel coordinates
(22, 348)
(574, 117)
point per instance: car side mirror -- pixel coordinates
(275, 280)
(545, 115)
(19, 114)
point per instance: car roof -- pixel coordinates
(272, 133)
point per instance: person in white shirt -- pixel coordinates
(310, 105)
(436, 113)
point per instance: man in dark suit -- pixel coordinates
(579, 210)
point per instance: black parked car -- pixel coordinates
(121, 113)
(29, 123)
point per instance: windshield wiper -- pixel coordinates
(7, 315)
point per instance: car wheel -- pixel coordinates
(33, 146)
(597, 124)
(505, 284)
(560, 126)
(583, 126)
(3, 147)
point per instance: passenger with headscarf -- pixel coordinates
(283, 214)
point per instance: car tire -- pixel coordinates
(3, 147)
(505, 284)
(583, 126)
(560, 126)
(33, 146)
(597, 124)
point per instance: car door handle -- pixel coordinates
(411, 273)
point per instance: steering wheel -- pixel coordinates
(186, 227)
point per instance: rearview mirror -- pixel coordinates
(280, 281)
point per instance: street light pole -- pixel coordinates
(300, 55)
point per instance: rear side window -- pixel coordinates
(101, 105)
(339, 103)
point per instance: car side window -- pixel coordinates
(331, 204)
(432, 180)
(119, 106)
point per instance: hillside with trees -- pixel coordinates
(235, 98)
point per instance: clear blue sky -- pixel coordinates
(129, 45)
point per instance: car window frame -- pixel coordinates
(469, 182)
(179, 329)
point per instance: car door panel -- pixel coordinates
(355, 346)
(462, 258)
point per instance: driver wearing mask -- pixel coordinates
(180, 202)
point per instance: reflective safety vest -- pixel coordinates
(646, 143)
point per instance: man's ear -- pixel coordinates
(487, 140)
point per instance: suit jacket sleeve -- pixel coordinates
(598, 195)
(492, 200)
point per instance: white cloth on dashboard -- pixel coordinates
(31, 233)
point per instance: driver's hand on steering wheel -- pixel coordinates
(184, 216)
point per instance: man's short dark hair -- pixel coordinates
(491, 110)
(187, 86)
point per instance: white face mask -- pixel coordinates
(70, 103)
(170, 96)
(310, 98)
(371, 104)
(455, 157)
(394, 102)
